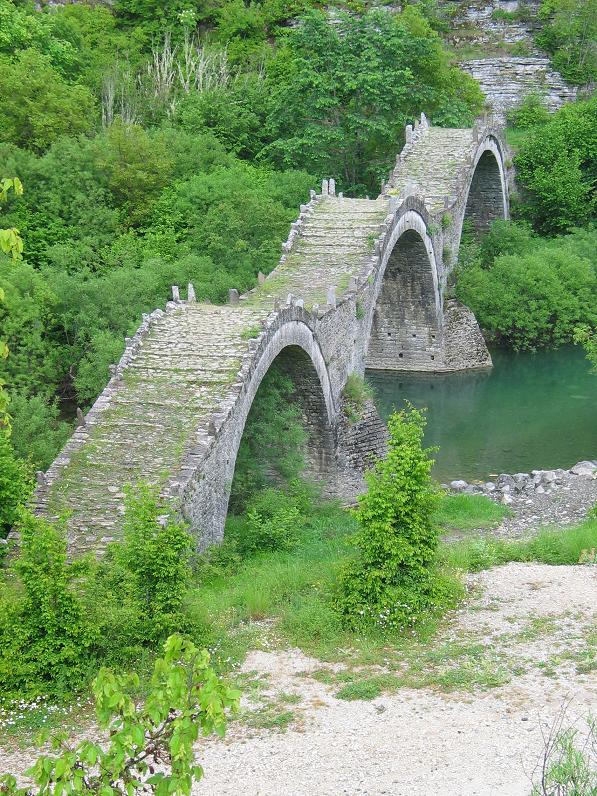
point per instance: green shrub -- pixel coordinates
(15, 483)
(392, 582)
(556, 169)
(356, 393)
(154, 561)
(531, 112)
(149, 747)
(273, 521)
(538, 297)
(46, 638)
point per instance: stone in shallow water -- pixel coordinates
(583, 468)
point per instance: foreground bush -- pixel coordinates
(393, 582)
(60, 620)
(46, 638)
(150, 746)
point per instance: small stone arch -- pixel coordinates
(404, 331)
(487, 193)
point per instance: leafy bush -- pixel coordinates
(46, 638)
(531, 112)
(569, 33)
(538, 297)
(393, 582)
(153, 561)
(556, 167)
(185, 699)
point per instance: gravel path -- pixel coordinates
(421, 742)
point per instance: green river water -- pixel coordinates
(531, 411)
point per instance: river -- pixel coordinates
(531, 411)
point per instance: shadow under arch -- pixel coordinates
(487, 198)
(307, 396)
(405, 330)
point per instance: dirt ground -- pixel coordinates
(536, 623)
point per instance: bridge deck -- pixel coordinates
(336, 240)
(433, 164)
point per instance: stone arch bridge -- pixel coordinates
(361, 283)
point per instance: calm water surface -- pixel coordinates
(531, 411)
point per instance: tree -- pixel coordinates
(149, 747)
(392, 582)
(38, 105)
(570, 35)
(341, 94)
(537, 297)
(557, 170)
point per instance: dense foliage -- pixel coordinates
(528, 291)
(341, 94)
(569, 34)
(61, 619)
(149, 747)
(392, 582)
(556, 168)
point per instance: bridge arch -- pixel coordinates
(294, 348)
(486, 195)
(404, 327)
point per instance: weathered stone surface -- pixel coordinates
(507, 81)
(174, 411)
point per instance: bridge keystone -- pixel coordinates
(175, 294)
(191, 297)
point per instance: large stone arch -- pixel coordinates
(294, 347)
(404, 327)
(487, 190)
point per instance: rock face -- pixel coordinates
(508, 66)
(508, 80)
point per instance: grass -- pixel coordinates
(468, 512)
(286, 596)
(549, 546)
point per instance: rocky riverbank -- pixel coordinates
(539, 498)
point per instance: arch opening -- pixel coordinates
(287, 433)
(405, 333)
(486, 201)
